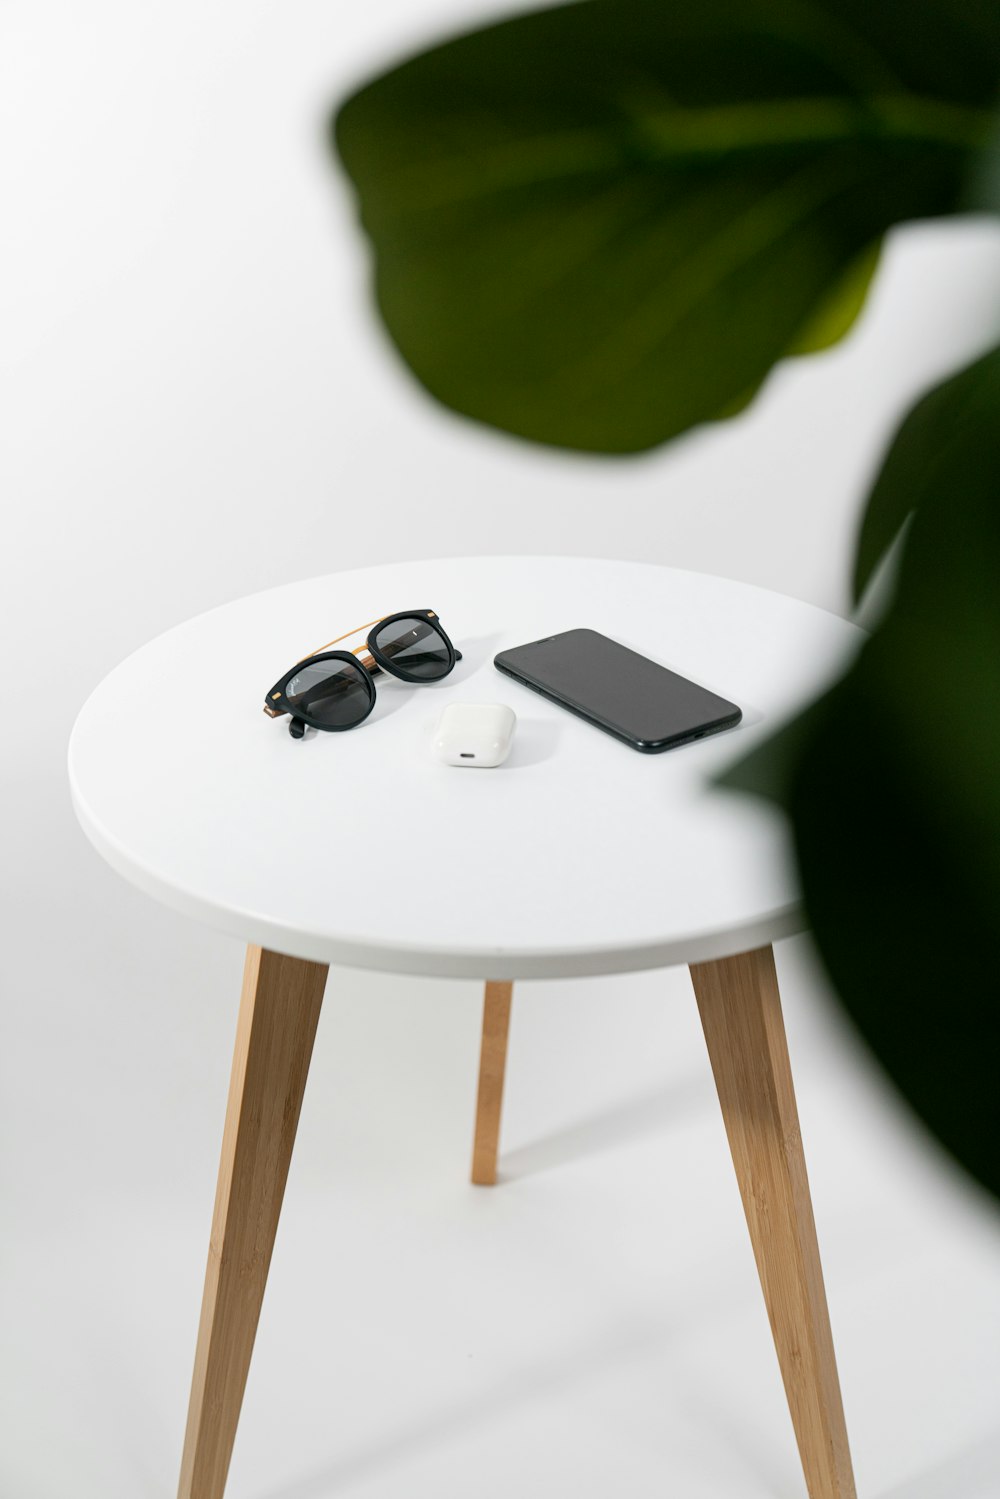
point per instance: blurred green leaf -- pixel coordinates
(947, 444)
(892, 781)
(839, 308)
(600, 224)
(983, 194)
(769, 769)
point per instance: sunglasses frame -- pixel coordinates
(277, 703)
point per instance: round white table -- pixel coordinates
(578, 856)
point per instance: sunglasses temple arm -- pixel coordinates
(374, 668)
(372, 665)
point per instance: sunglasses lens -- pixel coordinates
(416, 646)
(334, 693)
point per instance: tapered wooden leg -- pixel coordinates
(274, 1040)
(492, 1065)
(741, 1015)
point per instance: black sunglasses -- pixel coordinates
(334, 690)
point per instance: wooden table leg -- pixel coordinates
(279, 1010)
(492, 1066)
(741, 1015)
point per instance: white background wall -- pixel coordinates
(196, 402)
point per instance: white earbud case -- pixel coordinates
(476, 734)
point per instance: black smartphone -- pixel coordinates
(619, 691)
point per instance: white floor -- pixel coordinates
(592, 1326)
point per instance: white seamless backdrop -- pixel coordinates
(197, 402)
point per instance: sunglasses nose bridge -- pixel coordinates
(368, 661)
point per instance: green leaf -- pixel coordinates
(983, 194)
(944, 444)
(892, 781)
(600, 224)
(769, 769)
(836, 312)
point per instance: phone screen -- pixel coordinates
(618, 690)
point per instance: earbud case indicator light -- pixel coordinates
(475, 734)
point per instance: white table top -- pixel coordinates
(578, 856)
